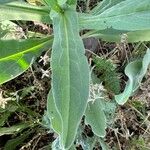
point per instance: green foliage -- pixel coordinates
(139, 143)
(7, 112)
(112, 35)
(107, 74)
(12, 144)
(104, 5)
(72, 2)
(68, 100)
(135, 71)
(70, 84)
(4, 117)
(13, 129)
(20, 57)
(19, 128)
(85, 142)
(14, 10)
(136, 11)
(56, 144)
(53, 114)
(9, 30)
(94, 116)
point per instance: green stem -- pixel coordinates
(87, 6)
(54, 5)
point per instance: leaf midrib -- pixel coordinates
(68, 58)
(23, 52)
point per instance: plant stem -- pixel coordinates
(87, 5)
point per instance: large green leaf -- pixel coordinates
(53, 114)
(135, 71)
(117, 35)
(17, 55)
(23, 11)
(70, 74)
(103, 5)
(127, 15)
(95, 117)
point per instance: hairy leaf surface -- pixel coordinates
(17, 55)
(127, 15)
(23, 11)
(111, 35)
(70, 74)
(105, 4)
(135, 71)
(96, 118)
(53, 114)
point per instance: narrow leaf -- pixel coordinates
(135, 71)
(13, 129)
(4, 117)
(70, 74)
(13, 143)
